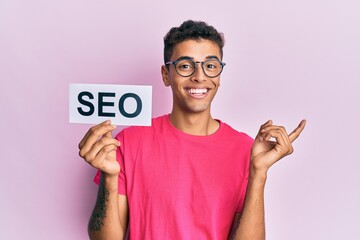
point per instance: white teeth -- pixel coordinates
(197, 91)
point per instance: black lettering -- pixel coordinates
(138, 103)
(86, 103)
(102, 104)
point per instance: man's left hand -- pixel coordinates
(271, 144)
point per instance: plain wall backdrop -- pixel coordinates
(286, 60)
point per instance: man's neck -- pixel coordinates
(200, 124)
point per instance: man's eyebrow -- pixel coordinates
(212, 56)
(184, 58)
(191, 58)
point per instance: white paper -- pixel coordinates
(122, 104)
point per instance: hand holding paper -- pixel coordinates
(98, 148)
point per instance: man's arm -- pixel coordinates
(250, 225)
(110, 215)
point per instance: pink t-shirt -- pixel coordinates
(181, 186)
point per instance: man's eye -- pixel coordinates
(185, 66)
(211, 66)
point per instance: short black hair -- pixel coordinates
(191, 30)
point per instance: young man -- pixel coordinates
(186, 176)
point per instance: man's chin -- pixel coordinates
(199, 108)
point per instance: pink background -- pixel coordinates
(286, 60)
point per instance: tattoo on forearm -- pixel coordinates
(99, 213)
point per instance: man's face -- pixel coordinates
(194, 93)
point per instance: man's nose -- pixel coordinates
(199, 74)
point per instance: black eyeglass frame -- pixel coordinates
(195, 62)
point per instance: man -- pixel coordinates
(186, 176)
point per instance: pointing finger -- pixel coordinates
(294, 134)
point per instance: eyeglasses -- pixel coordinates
(186, 67)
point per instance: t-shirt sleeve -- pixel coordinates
(248, 145)
(242, 195)
(120, 159)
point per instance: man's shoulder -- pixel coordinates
(234, 134)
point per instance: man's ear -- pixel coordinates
(165, 75)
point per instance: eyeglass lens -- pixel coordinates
(186, 67)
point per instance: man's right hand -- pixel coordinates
(98, 148)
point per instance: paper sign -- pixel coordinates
(122, 104)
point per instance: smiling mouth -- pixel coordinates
(197, 91)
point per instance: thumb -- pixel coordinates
(268, 123)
